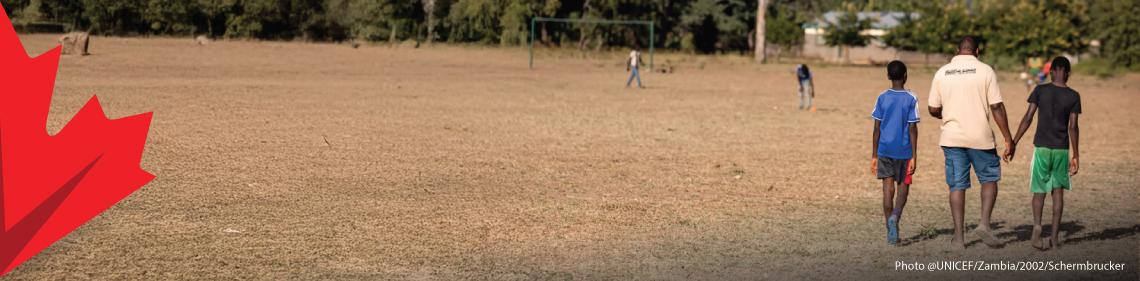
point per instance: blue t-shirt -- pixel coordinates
(803, 74)
(896, 110)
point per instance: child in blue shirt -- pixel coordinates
(806, 86)
(894, 152)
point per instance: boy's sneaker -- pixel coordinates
(893, 230)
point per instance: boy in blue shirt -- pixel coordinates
(806, 86)
(894, 152)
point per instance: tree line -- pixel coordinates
(1019, 29)
(1014, 28)
(709, 25)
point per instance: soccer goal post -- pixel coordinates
(602, 21)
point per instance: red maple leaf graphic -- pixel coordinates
(51, 185)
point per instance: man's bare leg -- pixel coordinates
(989, 197)
(983, 231)
(958, 209)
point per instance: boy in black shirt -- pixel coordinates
(1052, 164)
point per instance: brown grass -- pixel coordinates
(460, 163)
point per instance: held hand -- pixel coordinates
(1010, 149)
(875, 166)
(1073, 166)
(911, 167)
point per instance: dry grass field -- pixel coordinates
(448, 162)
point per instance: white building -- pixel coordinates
(876, 52)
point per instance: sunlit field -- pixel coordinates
(320, 161)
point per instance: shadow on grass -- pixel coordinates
(1025, 232)
(1112, 233)
(943, 234)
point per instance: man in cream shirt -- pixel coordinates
(963, 94)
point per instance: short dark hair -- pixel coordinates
(1061, 63)
(896, 70)
(967, 44)
(805, 67)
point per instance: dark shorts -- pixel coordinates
(987, 166)
(896, 168)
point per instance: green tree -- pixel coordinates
(946, 27)
(210, 15)
(1116, 24)
(375, 20)
(935, 29)
(546, 8)
(847, 30)
(1026, 29)
(476, 21)
(114, 16)
(720, 24)
(902, 36)
(168, 16)
(782, 28)
(396, 17)
(11, 6)
(515, 22)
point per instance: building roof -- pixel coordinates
(886, 20)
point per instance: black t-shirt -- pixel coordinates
(1054, 104)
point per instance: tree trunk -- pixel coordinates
(545, 38)
(752, 39)
(846, 54)
(763, 7)
(583, 40)
(600, 43)
(392, 32)
(429, 11)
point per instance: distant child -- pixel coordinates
(894, 154)
(1035, 64)
(633, 64)
(1045, 72)
(1028, 82)
(1052, 164)
(806, 85)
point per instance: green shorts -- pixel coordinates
(1049, 170)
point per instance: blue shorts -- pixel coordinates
(987, 165)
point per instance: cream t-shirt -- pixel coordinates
(634, 57)
(964, 89)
